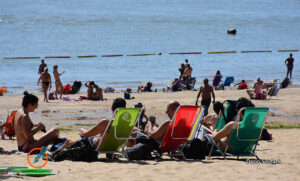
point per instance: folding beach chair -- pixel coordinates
(244, 139)
(227, 82)
(9, 125)
(229, 114)
(191, 83)
(119, 132)
(179, 129)
(197, 124)
(275, 90)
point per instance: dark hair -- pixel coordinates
(243, 102)
(29, 99)
(218, 72)
(55, 66)
(117, 103)
(205, 80)
(218, 106)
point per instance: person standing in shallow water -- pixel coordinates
(289, 62)
(46, 83)
(42, 67)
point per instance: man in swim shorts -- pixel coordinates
(289, 62)
(207, 91)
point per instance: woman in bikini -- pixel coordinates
(25, 129)
(89, 85)
(58, 84)
(46, 83)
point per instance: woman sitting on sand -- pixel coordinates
(89, 85)
(25, 129)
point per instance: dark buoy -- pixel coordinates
(231, 31)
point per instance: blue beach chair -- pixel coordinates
(227, 82)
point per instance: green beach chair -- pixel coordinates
(229, 113)
(244, 139)
(119, 132)
(24, 171)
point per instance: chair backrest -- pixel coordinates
(192, 82)
(9, 128)
(276, 89)
(197, 124)
(180, 128)
(2, 90)
(228, 81)
(120, 129)
(244, 139)
(229, 113)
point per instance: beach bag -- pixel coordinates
(285, 83)
(144, 149)
(67, 89)
(51, 96)
(75, 87)
(9, 129)
(79, 151)
(126, 95)
(196, 149)
(265, 135)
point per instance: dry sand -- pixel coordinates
(285, 109)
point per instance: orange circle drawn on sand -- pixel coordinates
(31, 163)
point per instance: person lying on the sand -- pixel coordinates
(25, 129)
(158, 134)
(98, 129)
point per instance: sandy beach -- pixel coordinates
(69, 116)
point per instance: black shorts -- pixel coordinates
(206, 103)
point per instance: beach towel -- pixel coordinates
(70, 99)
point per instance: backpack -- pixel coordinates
(196, 149)
(9, 129)
(67, 89)
(79, 151)
(75, 87)
(285, 83)
(144, 149)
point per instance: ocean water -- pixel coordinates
(101, 27)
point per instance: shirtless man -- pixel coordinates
(158, 134)
(25, 129)
(46, 83)
(289, 62)
(58, 84)
(206, 90)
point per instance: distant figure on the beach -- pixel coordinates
(181, 70)
(242, 85)
(289, 62)
(46, 83)
(206, 91)
(146, 88)
(187, 74)
(186, 63)
(175, 86)
(25, 129)
(58, 84)
(42, 67)
(158, 134)
(90, 90)
(98, 94)
(217, 79)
